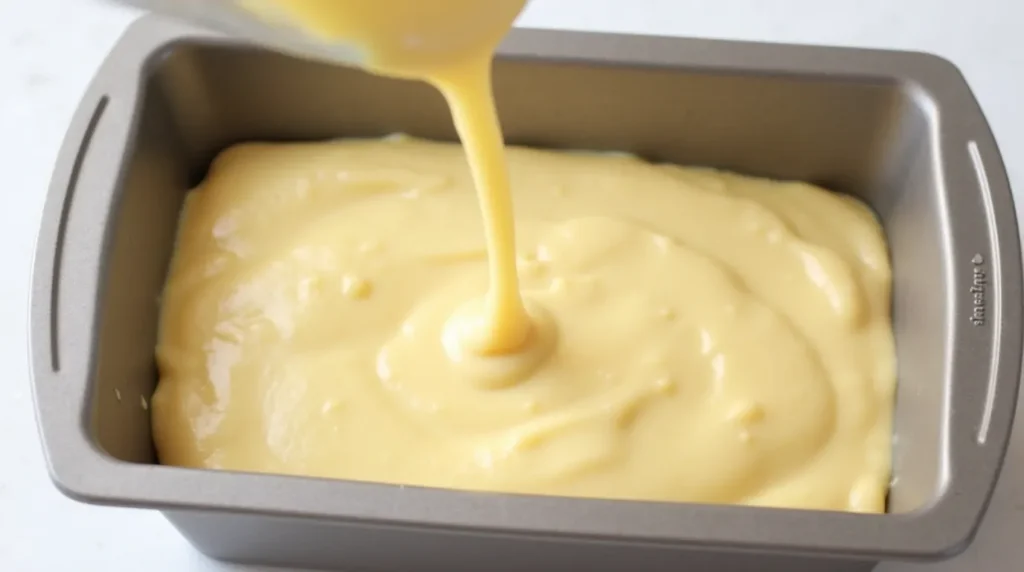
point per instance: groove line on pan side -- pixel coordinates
(62, 224)
(995, 291)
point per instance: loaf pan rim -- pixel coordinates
(83, 472)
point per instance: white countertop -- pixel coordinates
(49, 49)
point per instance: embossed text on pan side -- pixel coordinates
(991, 298)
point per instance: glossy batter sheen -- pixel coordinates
(698, 335)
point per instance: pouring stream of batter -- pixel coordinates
(449, 44)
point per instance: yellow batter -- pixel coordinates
(344, 310)
(707, 337)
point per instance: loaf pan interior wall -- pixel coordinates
(870, 137)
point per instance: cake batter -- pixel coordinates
(696, 335)
(344, 310)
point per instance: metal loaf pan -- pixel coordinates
(900, 130)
